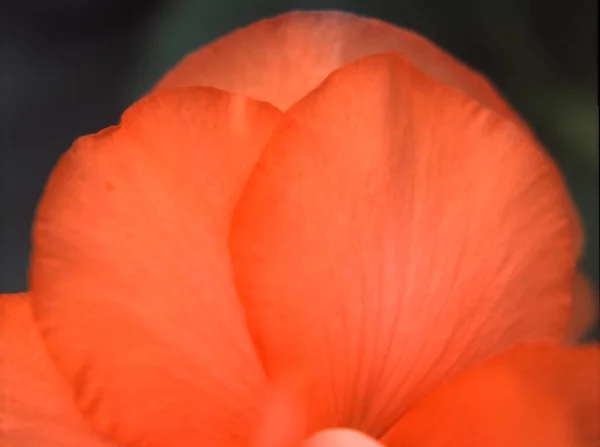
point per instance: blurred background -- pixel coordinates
(70, 67)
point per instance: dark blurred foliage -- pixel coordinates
(70, 67)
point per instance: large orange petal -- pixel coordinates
(36, 404)
(279, 60)
(131, 276)
(394, 232)
(527, 397)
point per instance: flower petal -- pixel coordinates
(131, 276)
(279, 60)
(283, 419)
(394, 232)
(36, 404)
(528, 397)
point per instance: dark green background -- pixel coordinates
(70, 67)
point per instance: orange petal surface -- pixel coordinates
(36, 404)
(393, 233)
(527, 397)
(282, 421)
(131, 276)
(279, 60)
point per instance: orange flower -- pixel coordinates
(318, 221)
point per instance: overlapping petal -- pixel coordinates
(279, 60)
(530, 396)
(131, 277)
(36, 404)
(393, 233)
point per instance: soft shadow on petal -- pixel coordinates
(282, 419)
(393, 233)
(131, 275)
(279, 60)
(584, 312)
(36, 404)
(527, 397)
(340, 437)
